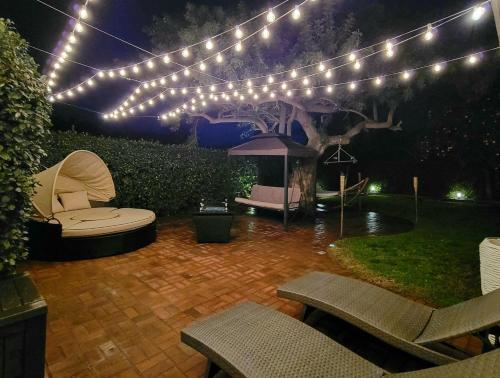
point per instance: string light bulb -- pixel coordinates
(429, 34)
(238, 47)
(329, 89)
(203, 66)
(305, 81)
(293, 74)
(389, 47)
(265, 33)
(478, 12)
(123, 72)
(166, 59)
(270, 17)
(84, 14)
(135, 69)
(150, 64)
(309, 91)
(79, 27)
(209, 45)
(289, 93)
(296, 13)
(238, 32)
(175, 77)
(321, 67)
(270, 79)
(185, 52)
(328, 74)
(357, 65)
(352, 86)
(472, 60)
(219, 58)
(352, 57)
(72, 39)
(186, 72)
(378, 81)
(438, 67)
(406, 75)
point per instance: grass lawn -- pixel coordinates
(438, 260)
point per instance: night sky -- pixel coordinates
(43, 28)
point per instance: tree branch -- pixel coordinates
(233, 119)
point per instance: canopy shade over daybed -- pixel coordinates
(275, 145)
(79, 171)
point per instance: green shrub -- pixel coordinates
(163, 178)
(24, 121)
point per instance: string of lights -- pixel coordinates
(68, 48)
(405, 75)
(376, 80)
(426, 32)
(150, 63)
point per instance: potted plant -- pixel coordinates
(24, 121)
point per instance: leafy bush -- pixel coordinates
(24, 121)
(163, 178)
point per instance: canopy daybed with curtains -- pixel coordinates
(72, 220)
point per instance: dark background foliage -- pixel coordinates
(167, 179)
(24, 122)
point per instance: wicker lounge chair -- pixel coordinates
(407, 325)
(250, 340)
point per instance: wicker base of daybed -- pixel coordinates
(46, 242)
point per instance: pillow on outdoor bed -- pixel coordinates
(56, 205)
(75, 200)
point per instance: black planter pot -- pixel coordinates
(23, 317)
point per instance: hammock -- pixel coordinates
(356, 189)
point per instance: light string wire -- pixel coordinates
(438, 24)
(388, 75)
(53, 75)
(149, 52)
(215, 54)
(346, 83)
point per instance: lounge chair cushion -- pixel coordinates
(266, 205)
(250, 340)
(102, 221)
(271, 197)
(75, 200)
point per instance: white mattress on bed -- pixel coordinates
(102, 221)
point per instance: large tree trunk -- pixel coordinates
(304, 176)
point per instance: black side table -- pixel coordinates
(213, 225)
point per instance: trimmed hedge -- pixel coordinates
(24, 122)
(164, 178)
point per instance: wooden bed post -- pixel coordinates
(285, 196)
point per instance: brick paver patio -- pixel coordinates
(121, 315)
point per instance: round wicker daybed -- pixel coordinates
(72, 221)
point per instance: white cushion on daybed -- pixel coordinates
(102, 221)
(267, 205)
(75, 200)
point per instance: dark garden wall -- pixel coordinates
(164, 178)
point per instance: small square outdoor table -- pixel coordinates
(213, 225)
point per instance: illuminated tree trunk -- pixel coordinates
(305, 178)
